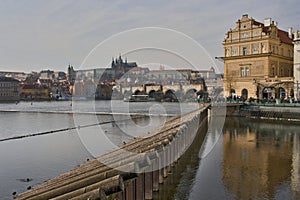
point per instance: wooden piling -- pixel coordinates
(132, 172)
(140, 187)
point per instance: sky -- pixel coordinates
(37, 35)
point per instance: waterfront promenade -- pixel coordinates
(132, 172)
(282, 111)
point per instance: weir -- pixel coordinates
(134, 171)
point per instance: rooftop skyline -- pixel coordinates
(40, 35)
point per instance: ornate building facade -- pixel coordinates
(297, 64)
(258, 60)
(9, 89)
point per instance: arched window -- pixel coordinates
(244, 94)
(282, 93)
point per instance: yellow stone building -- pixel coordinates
(258, 60)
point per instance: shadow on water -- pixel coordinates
(178, 183)
(252, 159)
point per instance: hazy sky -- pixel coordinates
(38, 35)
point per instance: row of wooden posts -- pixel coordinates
(132, 172)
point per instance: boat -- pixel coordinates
(137, 98)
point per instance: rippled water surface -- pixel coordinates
(248, 159)
(251, 160)
(29, 161)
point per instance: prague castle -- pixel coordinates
(258, 60)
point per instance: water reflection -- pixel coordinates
(261, 160)
(30, 161)
(251, 160)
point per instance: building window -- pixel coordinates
(242, 71)
(272, 71)
(234, 36)
(255, 49)
(247, 71)
(273, 49)
(227, 52)
(256, 33)
(234, 51)
(244, 51)
(264, 48)
(245, 35)
(245, 94)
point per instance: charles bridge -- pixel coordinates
(188, 90)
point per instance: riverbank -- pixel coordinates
(286, 112)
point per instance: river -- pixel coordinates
(32, 160)
(248, 159)
(252, 159)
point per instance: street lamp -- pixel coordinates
(297, 96)
(257, 90)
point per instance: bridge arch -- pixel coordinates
(127, 93)
(152, 93)
(138, 92)
(191, 93)
(170, 95)
(179, 95)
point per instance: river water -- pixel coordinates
(248, 159)
(32, 160)
(251, 159)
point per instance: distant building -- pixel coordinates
(84, 88)
(135, 76)
(61, 90)
(71, 74)
(47, 74)
(168, 77)
(35, 92)
(207, 74)
(104, 91)
(9, 89)
(258, 60)
(60, 75)
(121, 67)
(31, 78)
(85, 74)
(20, 76)
(297, 64)
(45, 82)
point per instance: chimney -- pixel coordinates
(296, 35)
(267, 21)
(291, 32)
(245, 16)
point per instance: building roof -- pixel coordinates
(7, 79)
(34, 86)
(140, 69)
(47, 71)
(284, 37)
(266, 28)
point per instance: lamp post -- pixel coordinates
(257, 90)
(297, 86)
